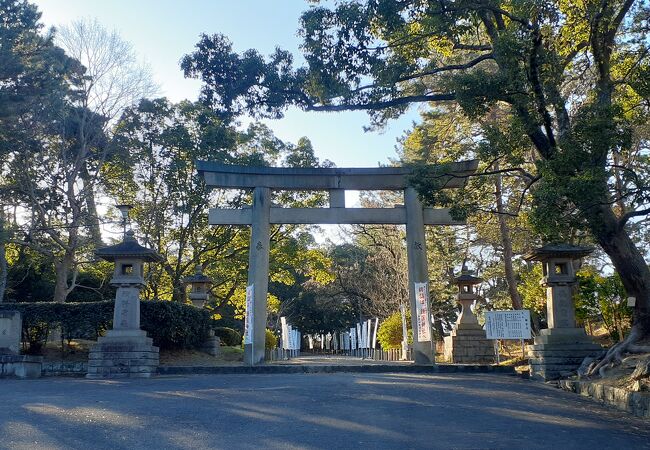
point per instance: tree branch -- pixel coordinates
(383, 104)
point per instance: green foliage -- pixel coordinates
(532, 292)
(390, 333)
(228, 336)
(602, 298)
(175, 325)
(76, 320)
(171, 325)
(271, 340)
(313, 312)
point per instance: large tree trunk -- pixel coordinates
(628, 262)
(506, 241)
(63, 269)
(92, 218)
(635, 275)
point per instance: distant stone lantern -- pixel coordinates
(199, 287)
(125, 350)
(467, 342)
(466, 283)
(559, 349)
(199, 296)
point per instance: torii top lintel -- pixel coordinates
(300, 178)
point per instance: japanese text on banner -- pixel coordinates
(248, 322)
(422, 311)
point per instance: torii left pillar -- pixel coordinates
(258, 273)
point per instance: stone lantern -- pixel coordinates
(199, 287)
(560, 348)
(125, 350)
(199, 295)
(466, 283)
(467, 342)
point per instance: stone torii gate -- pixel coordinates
(262, 180)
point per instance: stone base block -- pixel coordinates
(123, 357)
(21, 366)
(212, 346)
(468, 345)
(557, 352)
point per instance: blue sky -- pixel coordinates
(162, 31)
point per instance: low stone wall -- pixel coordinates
(20, 366)
(637, 403)
(64, 369)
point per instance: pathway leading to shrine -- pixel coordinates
(308, 411)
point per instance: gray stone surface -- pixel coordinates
(416, 253)
(258, 273)
(312, 178)
(637, 403)
(116, 357)
(64, 368)
(212, 346)
(389, 216)
(331, 411)
(560, 351)
(10, 331)
(20, 366)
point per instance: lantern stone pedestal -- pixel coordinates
(560, 349)
(467, 343)
(125, 351)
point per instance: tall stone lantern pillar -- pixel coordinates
(125, 350)
(561, 348)
(467, 342)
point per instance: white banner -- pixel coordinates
(285, 333)
(374, 333)
(513, 324)
(422, 311)
(353, 338)
(248, 318)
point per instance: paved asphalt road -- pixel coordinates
(324, 411)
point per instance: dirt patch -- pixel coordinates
(78, 350)
(194, 358)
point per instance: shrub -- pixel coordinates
(171, 325)
(174, 325)
(271, 340)
(228, 336)
(389, 334)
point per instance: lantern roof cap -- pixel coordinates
(198, 276)
(558, 250)
(128, 248)
(466, 277)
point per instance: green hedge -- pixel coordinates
(171, 325)
(228, 336)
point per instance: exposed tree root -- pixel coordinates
(614, 355)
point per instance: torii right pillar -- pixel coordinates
(560, 349)
(418, 279)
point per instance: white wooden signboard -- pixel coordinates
(513, 324)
